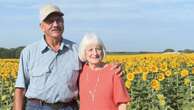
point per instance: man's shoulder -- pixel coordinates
(67, 41)
(33, 46)
(70, 43)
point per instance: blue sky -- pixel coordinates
(123, 25)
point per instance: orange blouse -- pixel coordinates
(101, 89)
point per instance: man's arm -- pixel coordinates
(22, 81)
(19, 99)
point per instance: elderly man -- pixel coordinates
(49, 68)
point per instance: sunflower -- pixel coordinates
(145, 70)
(130, 76)
(161, 76)
(184, 73)
(174, 64)
(153, 68)
(168, 73)
(155, 84)
(163, 67)
(138, 70)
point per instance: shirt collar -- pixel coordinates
(64, 43)
(44, 47)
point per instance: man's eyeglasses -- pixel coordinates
(51, 20)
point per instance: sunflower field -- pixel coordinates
(158, 81)
(8, 74)
(154, 81)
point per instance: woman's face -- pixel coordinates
(94, 54)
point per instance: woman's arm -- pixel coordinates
(120, 93)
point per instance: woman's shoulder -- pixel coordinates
(109, 69)
(85, 66)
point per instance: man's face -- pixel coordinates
(53, 25)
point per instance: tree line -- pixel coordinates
(15, 52)
(10, 53)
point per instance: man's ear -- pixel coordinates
(42, 27)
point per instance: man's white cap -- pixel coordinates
(48, 9)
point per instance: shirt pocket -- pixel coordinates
(38, 80)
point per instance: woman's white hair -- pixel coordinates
(87, 40)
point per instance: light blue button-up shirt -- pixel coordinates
(47, 75)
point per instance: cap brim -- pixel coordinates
(55, 12)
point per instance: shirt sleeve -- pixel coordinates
(120, 93)
(78, 64)
(23, 76)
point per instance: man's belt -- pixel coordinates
(41, 102)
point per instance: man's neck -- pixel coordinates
(53, 43)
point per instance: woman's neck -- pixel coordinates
(96, 66)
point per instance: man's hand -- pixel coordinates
(117, 67)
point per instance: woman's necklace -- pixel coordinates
(92, 93)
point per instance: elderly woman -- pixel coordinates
(100, 88)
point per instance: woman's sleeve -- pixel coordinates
(120, 93)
